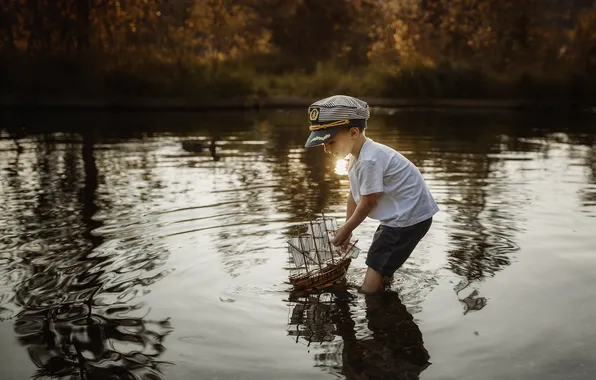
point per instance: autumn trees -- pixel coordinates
(277, 37)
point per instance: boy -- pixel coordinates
(384, 185)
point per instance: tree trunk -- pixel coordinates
(82, 25)
(6, 21)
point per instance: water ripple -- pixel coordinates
(115, 243)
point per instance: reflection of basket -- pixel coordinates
(317, 262)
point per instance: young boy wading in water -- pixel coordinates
(384, 185)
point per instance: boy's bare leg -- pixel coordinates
(388, 279)
(373, 282)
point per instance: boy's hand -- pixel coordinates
(342, 237)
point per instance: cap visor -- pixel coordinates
(320, 137)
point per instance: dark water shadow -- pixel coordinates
(334, 323)
(72, 321)
(78, 338)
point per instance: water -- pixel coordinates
(124, 256)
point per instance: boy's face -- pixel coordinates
(341, 145)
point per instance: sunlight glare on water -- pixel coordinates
(341, 166)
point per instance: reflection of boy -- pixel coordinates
(394, 349)
(384, 185)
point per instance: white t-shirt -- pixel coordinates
(405, 198)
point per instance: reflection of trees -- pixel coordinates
(88, 193)
(588, 196)
(459, 156)
(87, 341)
(591, 163)
(393, 348)
(472, 301)
(306, 175)
(463, 155)
(453, 151)
(483, 237)
(73, 290)
(271, 179)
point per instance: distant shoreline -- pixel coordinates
(245, 103)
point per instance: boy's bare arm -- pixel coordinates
(351, 206)
(367, 203)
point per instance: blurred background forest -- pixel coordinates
(209, 49)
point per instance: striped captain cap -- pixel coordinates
(327, 116)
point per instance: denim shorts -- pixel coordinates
(391, 246)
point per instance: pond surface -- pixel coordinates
(124, 256)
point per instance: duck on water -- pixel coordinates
(198, 146)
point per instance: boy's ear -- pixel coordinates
(354, 132)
